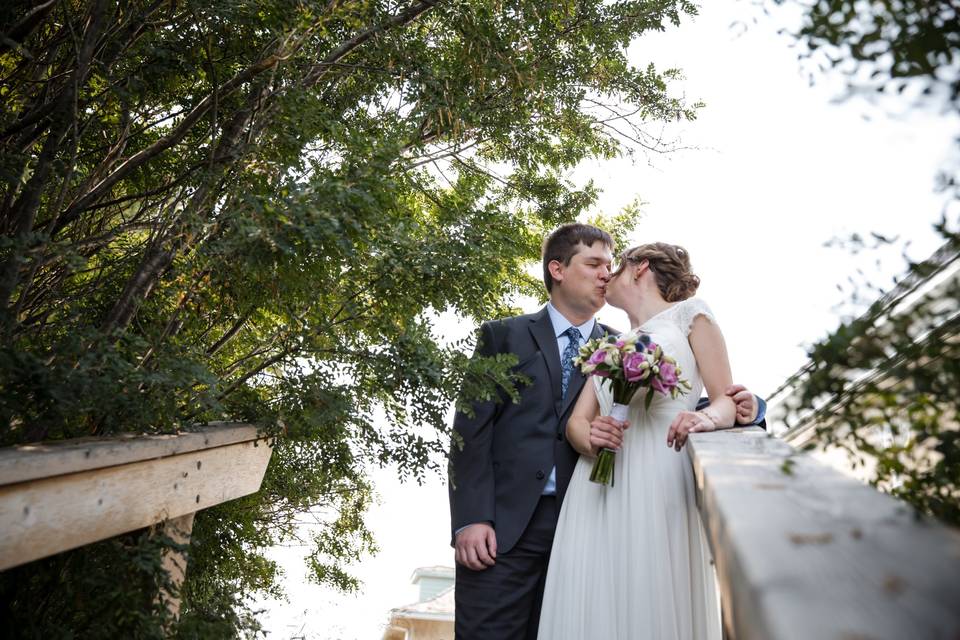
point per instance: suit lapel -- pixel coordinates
(543, 334)
(576, 377)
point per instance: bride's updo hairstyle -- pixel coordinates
(670, 265)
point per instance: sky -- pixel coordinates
(772, 170)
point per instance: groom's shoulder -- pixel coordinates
(510, 323)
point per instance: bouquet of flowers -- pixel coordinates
(629, 362)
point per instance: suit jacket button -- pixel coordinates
(540, 475)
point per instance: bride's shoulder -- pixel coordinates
(686, 311)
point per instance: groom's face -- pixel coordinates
(585, 279)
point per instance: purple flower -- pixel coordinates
(594, 361)
(597, 357)
(668, 375)
(632, 370)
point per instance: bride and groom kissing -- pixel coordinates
(620, 562)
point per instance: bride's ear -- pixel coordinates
(642, 268)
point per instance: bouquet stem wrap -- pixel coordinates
(604, 465)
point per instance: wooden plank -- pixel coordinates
(42, 460)
(42, 517)
(175, 563)
(815, 554)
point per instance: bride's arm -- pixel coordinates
(710, 350)
(578, 425)
(587, 430)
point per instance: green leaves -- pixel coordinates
(883, 387)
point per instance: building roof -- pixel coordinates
(440, 607)
(436, 571)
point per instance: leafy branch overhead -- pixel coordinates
(255, 211)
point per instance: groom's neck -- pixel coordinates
(576, 315)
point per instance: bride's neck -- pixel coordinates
(646, 308)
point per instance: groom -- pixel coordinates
(510, 476)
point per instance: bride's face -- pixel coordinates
(617, 288)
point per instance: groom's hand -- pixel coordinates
(606, 433)
(476, 546)
(747, 406)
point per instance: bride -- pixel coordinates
(630, 561)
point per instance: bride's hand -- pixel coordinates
(685, 423)
(606, 433)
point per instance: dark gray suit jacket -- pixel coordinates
(509, 448)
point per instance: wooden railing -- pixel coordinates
(804, 552)
(63, 495)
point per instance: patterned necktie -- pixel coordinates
(566, 361)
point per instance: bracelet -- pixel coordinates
(712, 418)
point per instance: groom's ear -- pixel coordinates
(556, 270)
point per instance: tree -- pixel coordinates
(251, 211)
(895, 368)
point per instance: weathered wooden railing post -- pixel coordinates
(813, 554)
(62, 495)
(175, 564)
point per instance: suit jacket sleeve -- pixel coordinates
(470, 481)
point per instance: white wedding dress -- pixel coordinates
(631, 562)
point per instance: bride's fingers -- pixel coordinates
(614, 424)
(607, 440)
(672, 431)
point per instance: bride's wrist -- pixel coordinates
(709, 416)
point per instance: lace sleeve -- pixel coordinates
(687, 312)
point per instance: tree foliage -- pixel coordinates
(883, 386)
(885, 47)
(253, 211)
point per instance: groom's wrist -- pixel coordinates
(457, 532)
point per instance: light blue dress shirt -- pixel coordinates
(560, 325)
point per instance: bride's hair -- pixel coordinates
(670, 265)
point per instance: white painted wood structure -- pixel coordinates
(816, 554)
(62, 495)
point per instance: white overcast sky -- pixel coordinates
(777, 169)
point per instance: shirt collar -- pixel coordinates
(561, 324)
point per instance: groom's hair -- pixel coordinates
(564, 243)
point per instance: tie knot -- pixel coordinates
(574, 334)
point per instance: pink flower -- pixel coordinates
(595, 360)
(597, 357)
(632, 370)
(668, 375)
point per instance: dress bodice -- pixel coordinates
(670, 329)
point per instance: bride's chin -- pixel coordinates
(614, 303)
